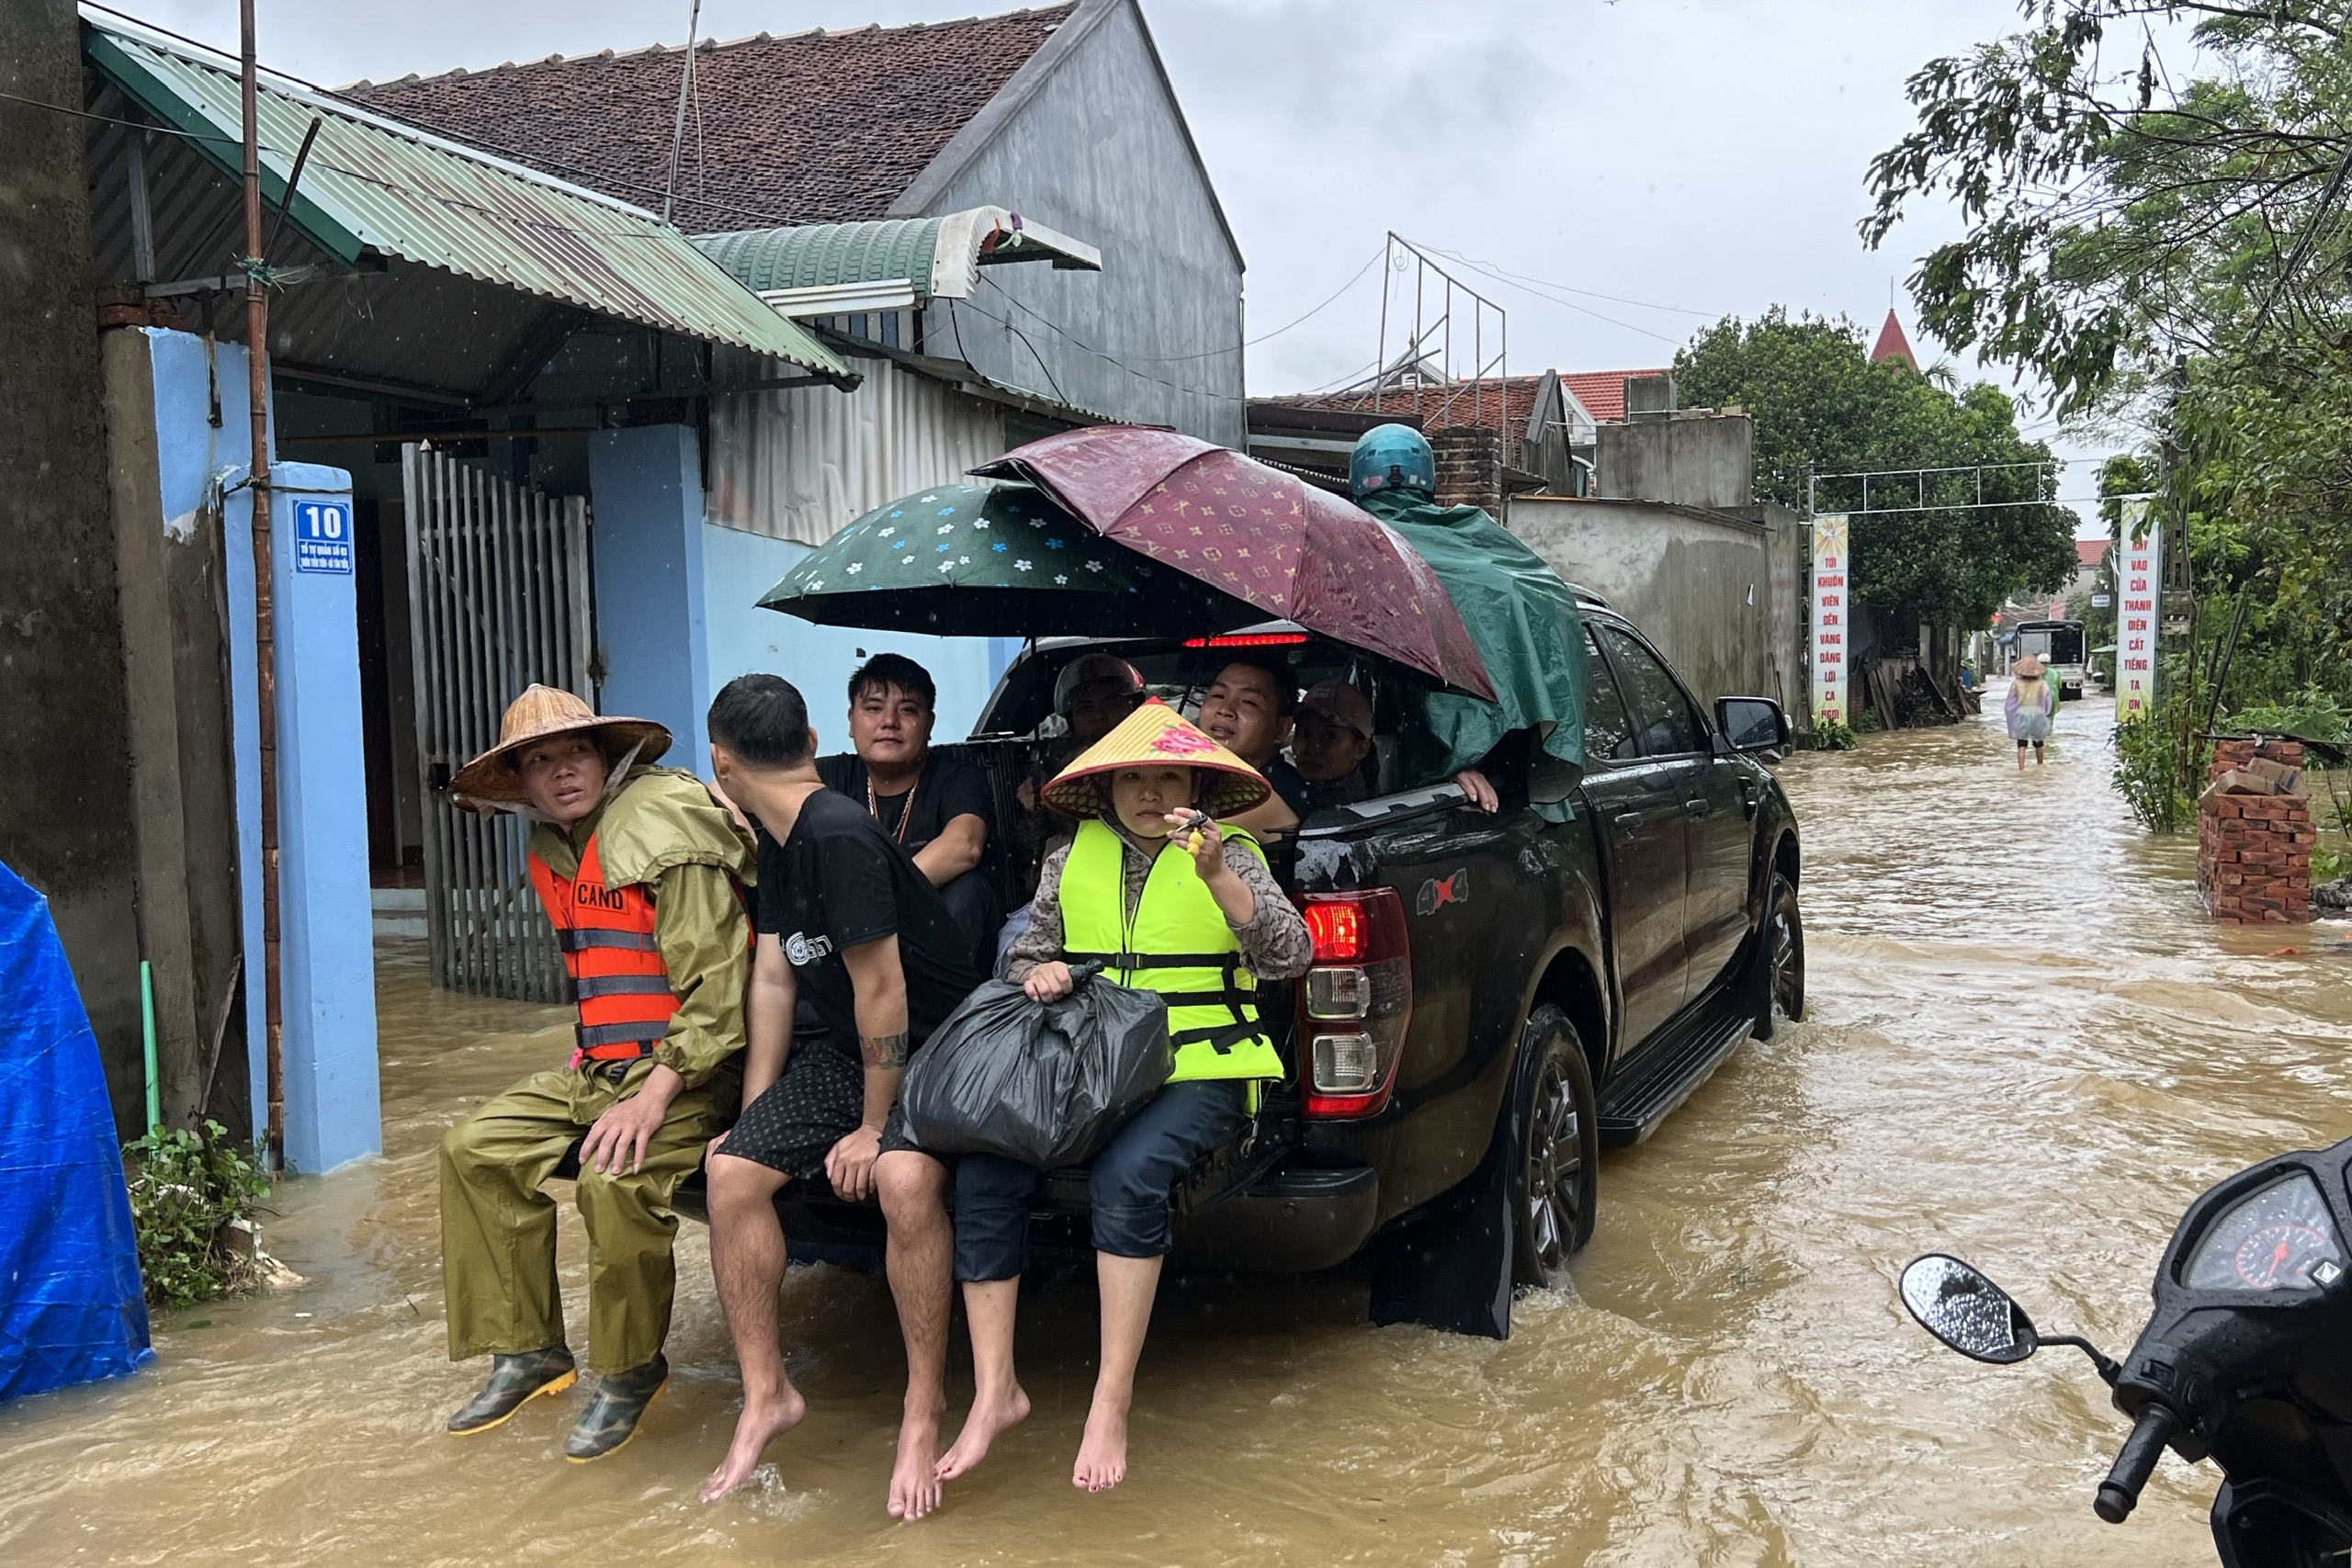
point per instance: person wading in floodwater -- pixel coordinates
(2031, 702)
(642, 873)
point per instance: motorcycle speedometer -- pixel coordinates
(2279, 1238)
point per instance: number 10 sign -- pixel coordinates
(322, 536)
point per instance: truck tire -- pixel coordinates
(1778, 988)
(1556, 1148)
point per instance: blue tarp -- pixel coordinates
(72, 1307)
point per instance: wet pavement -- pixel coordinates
(2025, 1046)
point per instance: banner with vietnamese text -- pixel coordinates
(2139, 585)
(1829, 667)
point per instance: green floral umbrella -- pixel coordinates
(993, 560)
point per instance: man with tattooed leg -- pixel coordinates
(851, 924)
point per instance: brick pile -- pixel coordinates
(2255, 835)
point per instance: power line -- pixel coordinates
(1059, 331)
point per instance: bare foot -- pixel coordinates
(992, 1415)
(914, 1481)
(753, 1431)
(1102, 1455)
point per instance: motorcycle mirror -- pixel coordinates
(1966, 1310)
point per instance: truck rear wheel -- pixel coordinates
(1779, 987)
(1555, 1169)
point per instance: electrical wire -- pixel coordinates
(1107, 358)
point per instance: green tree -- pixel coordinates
(1821, 406)
(2170, 248)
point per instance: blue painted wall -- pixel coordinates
(326, 969)
(739, 567)
(645, 497)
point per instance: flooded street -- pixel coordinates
(2026, 1047)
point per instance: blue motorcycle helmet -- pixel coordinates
(1391, 456)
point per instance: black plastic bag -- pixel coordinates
(1043, 1083)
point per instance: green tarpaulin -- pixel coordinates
(1522, 616)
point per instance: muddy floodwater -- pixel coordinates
(2025, 1046)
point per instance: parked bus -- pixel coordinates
(2060, 647)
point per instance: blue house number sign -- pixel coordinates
(322, 536)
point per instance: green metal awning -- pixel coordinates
(373, 185)
(886, 264)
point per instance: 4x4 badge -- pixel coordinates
(1436, 895)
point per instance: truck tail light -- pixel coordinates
(1356, 1004)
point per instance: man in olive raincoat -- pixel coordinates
(642, 875)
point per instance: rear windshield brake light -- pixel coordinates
(1249, 639)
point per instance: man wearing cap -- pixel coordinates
(1331, 743)
(641, 873)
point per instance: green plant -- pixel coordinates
(1867, 722)
(2328, 864)
(186, 1186)
(2156, 768)
(2311, 714)
(1830, 735)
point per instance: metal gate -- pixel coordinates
(498, 598)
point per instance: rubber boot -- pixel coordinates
(611, 1418)
(514, 1381)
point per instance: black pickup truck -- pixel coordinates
(1507, 994)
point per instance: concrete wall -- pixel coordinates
(739, 567)
(1685, 459)
(66, 806)
(1699, 587)
(174, 597)
(184, 526)
(1100, 152)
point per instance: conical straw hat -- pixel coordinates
(1155, 734)
(2030, 666)
(539, 713)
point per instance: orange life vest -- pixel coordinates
(621, 984)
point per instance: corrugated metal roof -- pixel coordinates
(373, 185)
(938, 256)
(818, 254)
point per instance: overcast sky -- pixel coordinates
(1688, 158)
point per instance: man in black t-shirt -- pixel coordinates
(849, 922)
(937, 809)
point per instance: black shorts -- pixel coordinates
(818, 1101)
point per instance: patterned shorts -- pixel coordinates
(818, 1101)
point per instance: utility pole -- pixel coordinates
(265, 635)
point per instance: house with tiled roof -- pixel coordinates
(1548, 421)
(1062, 115)
(1001, 224)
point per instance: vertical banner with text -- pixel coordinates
(2137, 595)
(1829, 668)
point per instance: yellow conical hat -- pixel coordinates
(1155, 733)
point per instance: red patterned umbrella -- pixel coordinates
(1267, 537)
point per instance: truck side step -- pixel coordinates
(1639, 1098)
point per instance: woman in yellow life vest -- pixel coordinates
(1154, 891)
